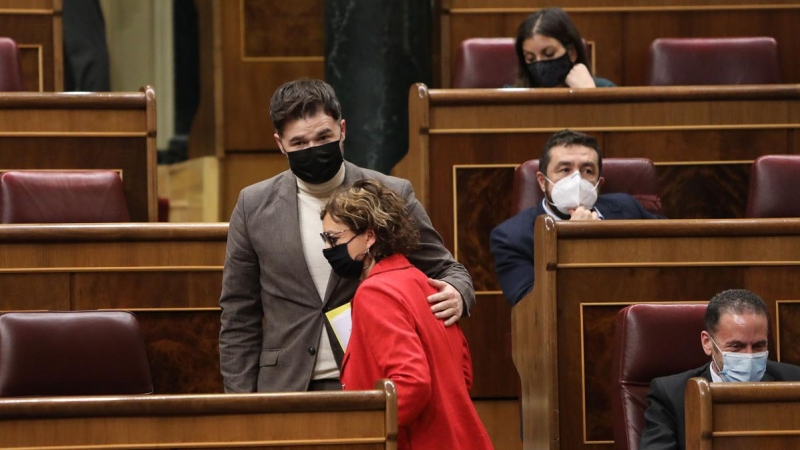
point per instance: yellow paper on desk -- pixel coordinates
(340, 321)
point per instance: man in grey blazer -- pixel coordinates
(277, 284)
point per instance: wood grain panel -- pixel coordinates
(37, 23)
(704, 192)
(34, 291)
(275, 28)
(183, 350)
(788, 313)
(125, 290)
(501, 419)
(623, 29)
(32, 68)
(243, 169)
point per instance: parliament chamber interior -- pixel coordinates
(128, 129)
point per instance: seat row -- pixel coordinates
(774, 180)
(492, 62)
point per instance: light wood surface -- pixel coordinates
(586, 272)
(355, 419)
(735, 416)
(112, 131)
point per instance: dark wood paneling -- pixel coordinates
(34, 291)
(35, 32)
(280, 28)
(183, 350)
(701, 192)
(147, 289)
(622, 35)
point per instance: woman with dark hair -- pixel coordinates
(551, 54)
(368, 231)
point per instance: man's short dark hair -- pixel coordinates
(733, 301)
(568, 138)
(302, 98)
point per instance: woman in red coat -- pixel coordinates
(367, 230)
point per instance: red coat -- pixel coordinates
(396, 336)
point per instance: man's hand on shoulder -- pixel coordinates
(581, 213)
(446, 304)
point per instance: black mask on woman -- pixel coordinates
(341, 262)
(550, 73)
(316, 165)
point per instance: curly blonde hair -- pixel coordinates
(368, 204)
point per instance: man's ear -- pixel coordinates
(540, 178)
(342, 127)
(601, 182)
(705, 340)
(278, 141)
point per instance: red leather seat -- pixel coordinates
(72, 353)
(10, 66)
(650, 341)
(704, 61)
(774, 184)
(485, 63)
(62, 197)
(634, 176)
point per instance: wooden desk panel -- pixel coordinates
(586, 272)
(742, 415)
(357, 419)
(36, 26)
(68, 131)
(169, 275)
(622, 30)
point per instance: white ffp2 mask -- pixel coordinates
(573, 191)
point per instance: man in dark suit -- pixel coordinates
(735, 338)
(276, 283)
(570, 182)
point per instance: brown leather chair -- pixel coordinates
(774, 184)
(634, 176)
(650, 341)
(10, 66)
(62, 197)
(72, 353)
(485, 63)
(717, 61)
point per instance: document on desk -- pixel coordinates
(341, 322)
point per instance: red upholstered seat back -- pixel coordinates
(485, 63)
(62, 197)
(650, 340)
(10, 66)
(72, 353)
(774, 184)
(634, 176)
(703, 61)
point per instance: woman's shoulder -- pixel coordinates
(603, 82)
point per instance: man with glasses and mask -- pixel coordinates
(735, 338)
(569, 175)
(277, 285)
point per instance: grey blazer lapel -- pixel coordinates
(285, 226)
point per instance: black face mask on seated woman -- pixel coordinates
(550, 73)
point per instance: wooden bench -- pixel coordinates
(320, 421)
(586, 272)
(36, 26)
(78, 131)
(742, 416)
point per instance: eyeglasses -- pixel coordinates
(331, 238)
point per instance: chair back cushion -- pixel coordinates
(72, 353)
(704, 61)
(774, 184)
(62, 197)
(485, 63)
(10, 66)
(634, 176)
(650, 340)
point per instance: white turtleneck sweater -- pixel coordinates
(310, 200)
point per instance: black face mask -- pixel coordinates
(341, 262)
(550, 73)
(316, 165)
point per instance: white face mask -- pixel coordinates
(741, 366)
(573, 191)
